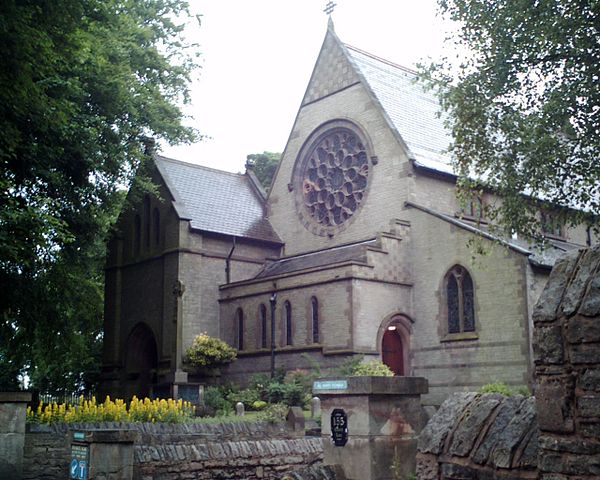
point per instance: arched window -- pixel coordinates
(137, 235)
(314, 311)
(156, 221)
(460, 298)
(262, 321)
(147, 219)
(287, 308)
(239, 317)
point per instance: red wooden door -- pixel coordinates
(392, 352)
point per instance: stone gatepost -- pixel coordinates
(102, 454)
(13, 408)
(566, 344)
(376, 422)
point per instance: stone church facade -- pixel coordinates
(360, 247)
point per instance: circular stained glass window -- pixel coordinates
(334, 175)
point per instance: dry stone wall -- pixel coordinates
(181, 451)
(567, 364)
(480, 436)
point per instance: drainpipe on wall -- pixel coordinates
(228, 262)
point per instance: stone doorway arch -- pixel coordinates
(394, 342)
(141, 361)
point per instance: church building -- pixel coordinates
(360, 247)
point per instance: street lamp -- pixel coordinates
(273, 302)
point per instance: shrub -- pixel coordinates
(259, 405)
(247, 396)
(210, 352)
(274, 413)
(376, 368)
(503, 389)
(215, 399)
(168, 411)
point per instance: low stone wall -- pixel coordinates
(201, 451)
(480, 436)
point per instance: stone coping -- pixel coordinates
(373, 386)
(15, 397)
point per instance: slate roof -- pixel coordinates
(536, 256)
(216, 201)
(412, 111)
(345, 253)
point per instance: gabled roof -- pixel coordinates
(216, 201)
(412, 112)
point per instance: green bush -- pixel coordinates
(210, 352)
(375, 368)
(259, 405)
(247, 396)
(274, 413)
(215, 399)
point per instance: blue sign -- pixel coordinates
(78, 468)
(330, 385)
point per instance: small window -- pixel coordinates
(262, 314)
(314, 307)
(460, 299)
(551, 225)
(473, 209)
(287, 307)
(137, 235)
(156, 221)
(147, 219)
(239, 315)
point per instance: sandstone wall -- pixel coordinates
(475, 436)
(567, 365)
(201, 451)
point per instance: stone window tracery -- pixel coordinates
(460, 301)
(332, 176)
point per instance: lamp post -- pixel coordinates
(273, 302)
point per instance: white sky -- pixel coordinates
(257, 58)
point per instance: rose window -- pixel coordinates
(335, 177)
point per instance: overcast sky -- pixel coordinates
(257, 58)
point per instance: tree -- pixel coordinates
(524, 106)
(264, 166)
(83, 84)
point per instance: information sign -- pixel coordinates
(79, 462)
(330, 385)
(339, 427)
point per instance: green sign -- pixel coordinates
(330, 385)
(79, 436)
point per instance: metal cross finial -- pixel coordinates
(329, 8)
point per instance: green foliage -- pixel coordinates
(523, 105)
(274, 413)
(82, 84)
(207, 351)
(264, 166)
(503, 389)
(248, 397)
(215, 399)
(375, 368)
(348, 366)
(259, 405)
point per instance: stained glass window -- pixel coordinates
(315, 319)
(240, 328)
(263, 325)
(288, 323)
(460, 300)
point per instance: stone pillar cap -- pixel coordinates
(15, 397)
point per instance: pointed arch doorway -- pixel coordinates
(395, 344)
(141, 360)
